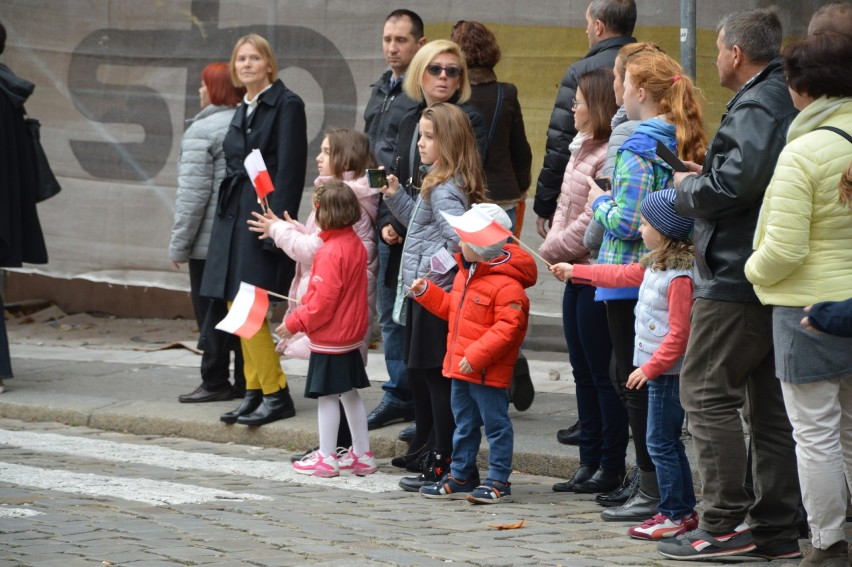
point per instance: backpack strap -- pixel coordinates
(494, 120)
(837, 131)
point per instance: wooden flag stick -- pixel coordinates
(272, 293)
(530, 250)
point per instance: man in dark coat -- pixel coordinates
(609, 25)
(21, 239)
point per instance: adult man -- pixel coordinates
(402, 37)
(609, 25)
(729, 364)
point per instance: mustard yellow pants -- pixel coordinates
(261, 364)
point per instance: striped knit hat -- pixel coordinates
(659, 210)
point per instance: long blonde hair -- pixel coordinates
(458, 155)
(665, 82)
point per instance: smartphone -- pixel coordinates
(377, 178)
(603, 183)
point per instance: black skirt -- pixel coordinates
(330, 374)
(425, 338)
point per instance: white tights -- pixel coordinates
(328, 415)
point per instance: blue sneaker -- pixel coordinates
(449, 488)
(491, 492)
(700, 544)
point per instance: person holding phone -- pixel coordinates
(603, 419)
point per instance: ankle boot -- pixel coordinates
(410, 461)
(273, 407)
(604, 480)
(433, 467)
(834, 556)
(641, 506)
(251, 401)
(621, 494)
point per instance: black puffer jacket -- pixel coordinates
(561, 130)
(725, 199)
(385, 110)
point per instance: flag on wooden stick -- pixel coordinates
(247, 312)
(256, 169)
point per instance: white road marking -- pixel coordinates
(155, 492)
(6, 512)
(184, 460)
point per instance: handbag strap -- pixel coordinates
(494, 119)
(836, 131)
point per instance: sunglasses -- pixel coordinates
(435, 70)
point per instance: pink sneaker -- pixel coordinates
(317, 464)
(661, 527)
(360, 466)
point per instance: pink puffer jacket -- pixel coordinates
(564, 242)
(301, 242)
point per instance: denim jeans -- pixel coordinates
(665, 422)
(474, 406)
(397, 389)
(603, 419)
(729, 367)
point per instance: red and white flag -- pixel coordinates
(477, 228)
(247, 313)
(256, 169)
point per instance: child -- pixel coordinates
(334, 315)
(662, 331)
(657, 92)
(454, 182)
(487, 310)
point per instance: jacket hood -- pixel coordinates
(818, 113)
(514, 263)
(209, 110)
(644, 140)
(361, 187)
(17, 89)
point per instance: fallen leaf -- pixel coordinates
(516, 526)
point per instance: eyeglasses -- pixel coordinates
(575, 103)
(435, 70)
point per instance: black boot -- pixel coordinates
(641, 506)
(433, 467)
(604, 480)
(273, 407)
(251, 401)
(521, 390)
(410, 461)
(581, 475)
(621, 494)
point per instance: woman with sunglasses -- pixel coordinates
(437, 73)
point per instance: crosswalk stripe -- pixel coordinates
(184, 460)
(155, 492)
(6, 512)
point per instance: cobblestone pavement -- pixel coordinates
(79, 496)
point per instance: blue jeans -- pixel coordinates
(603, 419)
(665, 421)
(475, 405)
(397, 390)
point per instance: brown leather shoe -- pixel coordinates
(201, 395)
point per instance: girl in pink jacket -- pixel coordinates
(344, 155)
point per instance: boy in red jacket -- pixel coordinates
(487, 310)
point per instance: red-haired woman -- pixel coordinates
(201, 168)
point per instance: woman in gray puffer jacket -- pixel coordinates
(201, 168)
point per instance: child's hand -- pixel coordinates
(283, 332)
(636, 379)
(465, 366)
(392, 187)
(594, 190)
(806, 322)
(563, 271)
(262, 222)
(418, 286)
(390, 236)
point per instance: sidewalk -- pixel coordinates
(107, 373)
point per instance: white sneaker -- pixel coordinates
(360, 466)
(317, 464)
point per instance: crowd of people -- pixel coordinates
(705, 280)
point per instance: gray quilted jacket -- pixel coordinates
(201, 168)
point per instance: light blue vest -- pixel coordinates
(652, 315)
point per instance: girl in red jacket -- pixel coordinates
(334, 314)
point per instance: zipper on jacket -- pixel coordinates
(458, 315)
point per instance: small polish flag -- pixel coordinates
(247, 313)
(256, 169)
(477, 228)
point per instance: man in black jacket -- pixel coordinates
(402, 37)
(609, 26)
(729, 364)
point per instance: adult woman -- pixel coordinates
(437, 73)
(802, 256)
(271, 119)
(603, 419)
(201, 168)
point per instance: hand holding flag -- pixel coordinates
(260, 179)
(248, 311)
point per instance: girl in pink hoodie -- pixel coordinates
(345, 155)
